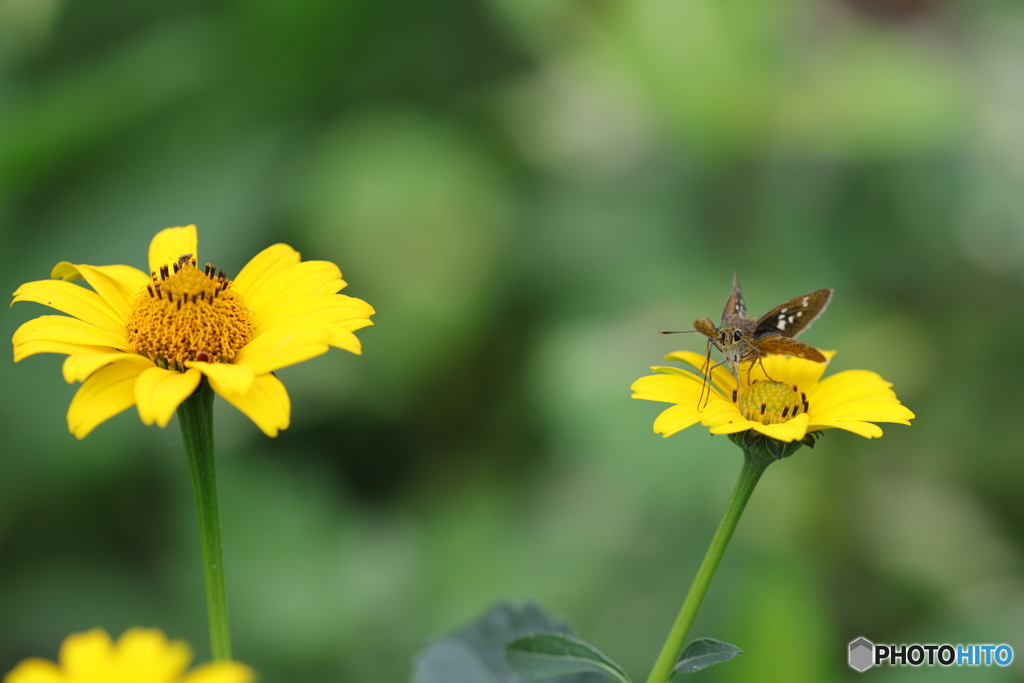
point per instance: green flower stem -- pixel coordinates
(753, 467)
(196, 418)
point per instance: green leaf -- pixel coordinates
(476, 652)
(702, 653)
(545, 655)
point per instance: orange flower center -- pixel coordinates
(771, 402)
(189, 315)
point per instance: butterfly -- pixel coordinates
(741, 338)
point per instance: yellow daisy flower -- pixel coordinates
(783, 400)
(139, 656)
(149, 340)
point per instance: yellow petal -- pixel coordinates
(231, 379)
(266, 403)
(283, 345)
(107, 392)
(671, 370)
(221, 672)
(675, 419)
(896, 413)
(732, 427)
(846, 378)
(30, 348)
(849, 386)
(340, 338)
(62, 328)
(262, 266)
(858, 403)
(793, 430)
(695, 360)
(722, 376)
(35, 671)
(718, 412)
(131, 279)
(684, 388)
(159, 392)
(328, 308)
(865, 429)
(900, 414)
(790, 369)
(300, 280)
(353, 325)
(118, 285)
(719, 391)
(146, 655)
(79, 366)
(867, 403)
(170, 244)
(87, 656)
(328, 287)
(723, 417)
(76, 301)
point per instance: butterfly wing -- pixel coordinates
(735, 309)
(794, 316)
(781, 344)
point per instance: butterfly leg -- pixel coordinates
(760, 362)
(705, 370)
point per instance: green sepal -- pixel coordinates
(810, 438)
(757, 443)
(547, 654)
(702, 653)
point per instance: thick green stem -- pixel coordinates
(753, 467)
(196, 418)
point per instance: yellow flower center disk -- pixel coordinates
(189, 315)
(771, 402)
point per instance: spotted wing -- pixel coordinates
(735, 310)
(780, 344)
(794, 316)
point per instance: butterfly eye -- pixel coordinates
(737, 335)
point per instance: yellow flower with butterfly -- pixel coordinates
(781, 397)
(771, 400)
(775, 387)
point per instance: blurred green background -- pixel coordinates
(527, 191)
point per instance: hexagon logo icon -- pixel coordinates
(862, 654)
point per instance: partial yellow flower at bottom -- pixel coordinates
(139, 656)
(784, 398)
(149, 340)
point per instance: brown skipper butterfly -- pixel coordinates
(741, 338)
